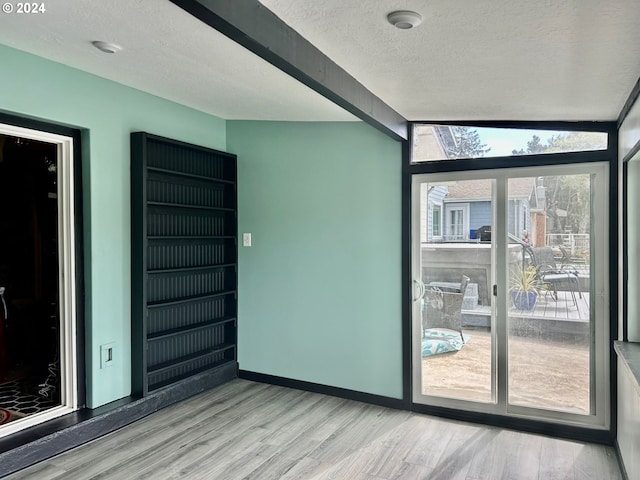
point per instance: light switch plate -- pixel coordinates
(246, 239)
(106, 355)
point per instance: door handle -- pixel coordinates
(421, 290)
(413, 294)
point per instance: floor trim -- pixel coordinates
(539, 427)
(533, 426)
(623, 470)
(371, 398)
(44, 441)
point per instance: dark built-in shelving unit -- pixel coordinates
(184, 261)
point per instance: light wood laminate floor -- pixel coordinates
(246, 430)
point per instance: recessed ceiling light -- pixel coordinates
(106, 47)
(404, 19)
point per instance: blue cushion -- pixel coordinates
(440, 340)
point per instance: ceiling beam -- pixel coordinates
(256, 28)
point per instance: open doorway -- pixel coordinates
(37, 313)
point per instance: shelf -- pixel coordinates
(191, 269)
(179, 189)
(190, 175)
(186, 237)
(177, 378)
(190, 299)
(189, 328)
(190, 207)
(164, 366)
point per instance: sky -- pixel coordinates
(503, 140)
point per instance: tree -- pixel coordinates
(467, 144)
(533, 146)
(576, 142)
(567, 196)
(568, 203)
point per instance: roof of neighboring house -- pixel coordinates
(481, 189)
(432, 142)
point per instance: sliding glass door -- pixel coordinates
(510, 293)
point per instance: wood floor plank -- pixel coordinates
(523, 457)
(410, 471)
(41, 471)
(352, 465)
(557, 459)
(431, 444)
(596, 462)
(244, 430)
(177, 416)
(490, 454)
(455, 461)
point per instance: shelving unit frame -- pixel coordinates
(183, 262)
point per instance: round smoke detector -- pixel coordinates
(106, 47)
(404, 19)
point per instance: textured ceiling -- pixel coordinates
(168, 53)
(482, 60)
(469, 60)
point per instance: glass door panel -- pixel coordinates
(454, 293)
(510, 300)
(549, 310)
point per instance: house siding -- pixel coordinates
(479, 214)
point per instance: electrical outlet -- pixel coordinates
(106, 355)
(246, 239)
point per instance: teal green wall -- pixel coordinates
(320, 289)
(32, 86)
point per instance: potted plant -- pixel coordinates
(524, 287)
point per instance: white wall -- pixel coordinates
(628, 388)
(629, 420)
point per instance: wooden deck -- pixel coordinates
(549, 317)
(546, 308)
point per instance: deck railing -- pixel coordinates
(573, 242)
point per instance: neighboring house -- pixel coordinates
(432, 144)
(456, 211)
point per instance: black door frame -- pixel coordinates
(610, 155)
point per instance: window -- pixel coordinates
(456, 222)
(544, 200)
(436, 221)
(445, 142)
(631, 330)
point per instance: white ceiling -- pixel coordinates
(168, 53)
(482, 60)
(469, 60)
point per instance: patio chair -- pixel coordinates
(567, 259)
(551, 276)
(443, 307)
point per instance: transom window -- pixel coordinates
(447, 142)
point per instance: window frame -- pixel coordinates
(609, 156)
(586, 127)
